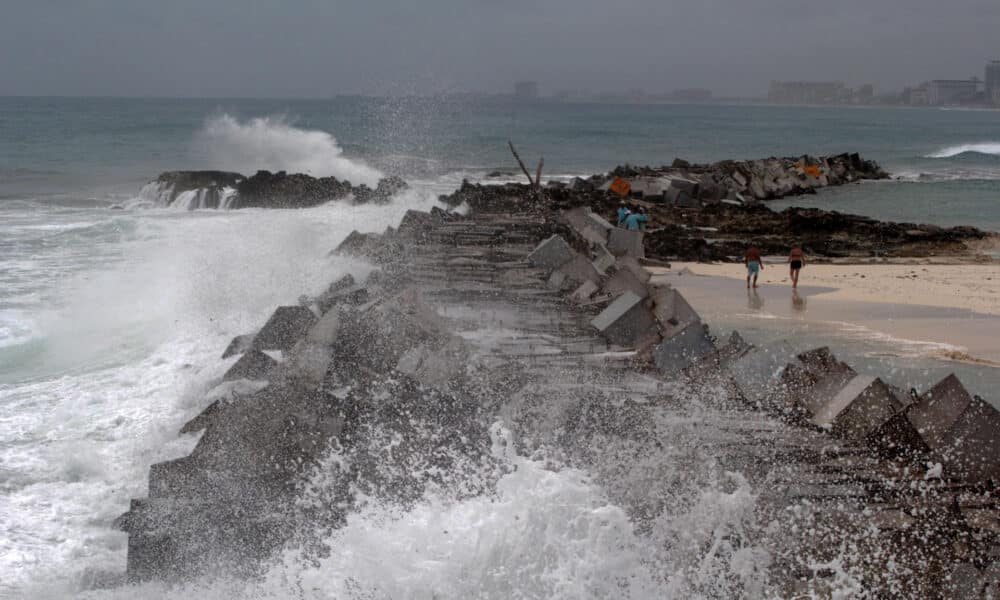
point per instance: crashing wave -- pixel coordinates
(272, 143)
(986, 148)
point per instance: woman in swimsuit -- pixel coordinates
(796, 259)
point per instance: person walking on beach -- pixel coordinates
(753, 262)
(636, 220)
(623, 213)
(796, 260)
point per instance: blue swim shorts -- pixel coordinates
(753, 267)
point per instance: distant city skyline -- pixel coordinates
(316, 49)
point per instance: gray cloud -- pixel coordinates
(316, 48)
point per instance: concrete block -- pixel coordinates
(286, 326)
(625, 321)
(859, 408)
(757, 373)
(344, 283)
(671, 310)
(353, 244)
(551, 254)
(673, 195)
(822, 390)
(677, 352)
(579, 270)
(622, 242)
(588, 225)
(254, 364)
(583, 293)
(820, 361)
(632, 265)
(624, 281)
(310, 359)
(348, 298)
(559, 281)
(650, 188)
(938, 409)
(732, 350)
(239, 345)
(970, 451)
(603, 259)
(897, 437)
(436, 368)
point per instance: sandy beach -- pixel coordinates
(964, 286)
(946, 314)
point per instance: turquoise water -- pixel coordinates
(112, 321)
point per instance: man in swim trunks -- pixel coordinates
(754, 264)
(796, 260)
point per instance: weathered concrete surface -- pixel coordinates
(284, 329)
(757, 373)
(662, 447)
(239, 345)
(625, 321)
(589, 226)
(254, 364)
(623, 281)
(860, 407)
(684, 347)
(551, 254)
(622, 242)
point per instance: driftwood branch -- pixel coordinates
(538, 173)
(520, 162)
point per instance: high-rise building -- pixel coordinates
(951, 91)
(993, 82)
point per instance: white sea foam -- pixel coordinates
(123, 351)
(991, 148)
(275, 144)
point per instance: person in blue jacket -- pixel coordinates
(636, 221)
(623, 213)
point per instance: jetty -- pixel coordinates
(546, 320)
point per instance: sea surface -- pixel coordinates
(112, 320)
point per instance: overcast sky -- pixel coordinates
(319, 48)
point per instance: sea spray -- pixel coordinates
(273, 143)
(131, 314)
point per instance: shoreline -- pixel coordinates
(944, 313)
(970, 286)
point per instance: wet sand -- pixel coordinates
(944, 332)
(973, 287)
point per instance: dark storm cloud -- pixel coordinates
(320, 48)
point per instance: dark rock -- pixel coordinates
(281, 190)
(383, 192)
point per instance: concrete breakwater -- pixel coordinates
(548, 323)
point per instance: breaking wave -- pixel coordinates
(988, 148)
(272, 143)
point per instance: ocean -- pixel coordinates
(112, 321)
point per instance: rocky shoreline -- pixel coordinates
(697, 212)
(533, 310)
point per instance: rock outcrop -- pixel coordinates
(264, 189)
